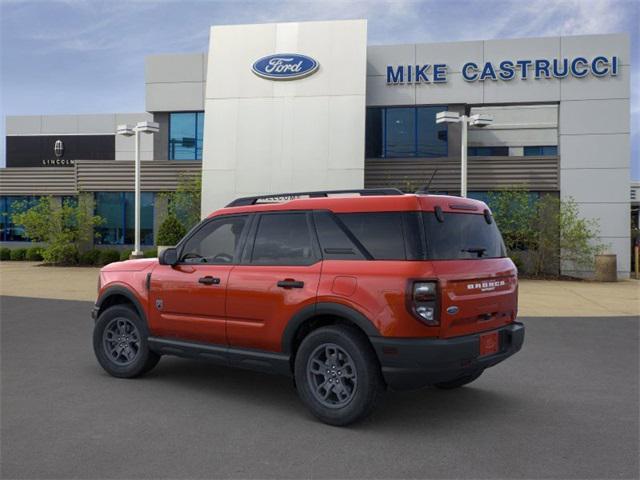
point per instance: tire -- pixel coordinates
(131, 358)
(458, 382)
(337, 375)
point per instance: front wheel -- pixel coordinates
(337, 375)
(120, 343)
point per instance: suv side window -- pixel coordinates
(283, 239)
(216, 242)
(334, 241)
(381, 233)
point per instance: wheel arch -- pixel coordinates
(119, 295)
(320, 314)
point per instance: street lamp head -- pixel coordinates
(480, 120)
(147, 127)
(125, 130)
(447, 117)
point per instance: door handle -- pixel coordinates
(290, 283)
(208, 280)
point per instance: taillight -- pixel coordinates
(424, 300)
(99, 283)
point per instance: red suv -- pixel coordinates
(349, 293)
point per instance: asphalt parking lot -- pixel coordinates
(564, 407)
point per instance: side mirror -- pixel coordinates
(169, 257)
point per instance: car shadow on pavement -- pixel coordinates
(416, 409)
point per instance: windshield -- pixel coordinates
(462, 236)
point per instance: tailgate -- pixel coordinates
(476, 295)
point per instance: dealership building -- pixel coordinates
(288, 107)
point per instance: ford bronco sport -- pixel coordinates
(347, 292)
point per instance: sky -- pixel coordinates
(87, 56)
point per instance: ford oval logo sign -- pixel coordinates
(285, 66)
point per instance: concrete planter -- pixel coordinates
(606, 268)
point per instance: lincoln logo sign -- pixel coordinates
(285, 66)
(58, 148)
(505, 70)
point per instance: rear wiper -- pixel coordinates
(478, 250)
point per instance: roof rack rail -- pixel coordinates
(283, 197)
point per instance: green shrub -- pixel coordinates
(109, 256)
(125, 254)
(171, 231)
(151, 253)
(64, 228)
(61, 254)
(18, 254)
(90, 257)
(34, 254)
(5, 253)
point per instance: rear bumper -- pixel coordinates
(414, 363)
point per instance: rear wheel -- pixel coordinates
(337, 375)
(459, 382)
(120, 343)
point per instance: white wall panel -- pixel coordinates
(174, 97)
(595, 151)
(23, 124)
(264, 136)
(594, 117)
(453, 54)
(379, 56)
(455, 90)
(591, 87)
(521, 49)
(175, 68)
(596, 185)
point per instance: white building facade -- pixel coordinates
(286, 107)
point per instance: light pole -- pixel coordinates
(128, 131)
(477, 120)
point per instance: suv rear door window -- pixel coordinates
(381, 233)
(462, 236)
(283, 239)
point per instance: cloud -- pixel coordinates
(57, 54)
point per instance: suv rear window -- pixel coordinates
(462, 236)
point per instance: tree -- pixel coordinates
(514, 210)
(548, 232)
(171, 231)
(63, 227)
(184, 203)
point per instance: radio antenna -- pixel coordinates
(425, 188)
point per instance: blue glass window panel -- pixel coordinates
(432, 137)
(551, 150)
(374, 132)
(199, 134)
(146, 218)
(185, 135)
(405, 132)
(547, 150)
(10, 232)
(117, 211)
(109, 208)
(488, 151)
(400, 132)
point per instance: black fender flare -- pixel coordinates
(325, 308)
(125, 292)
